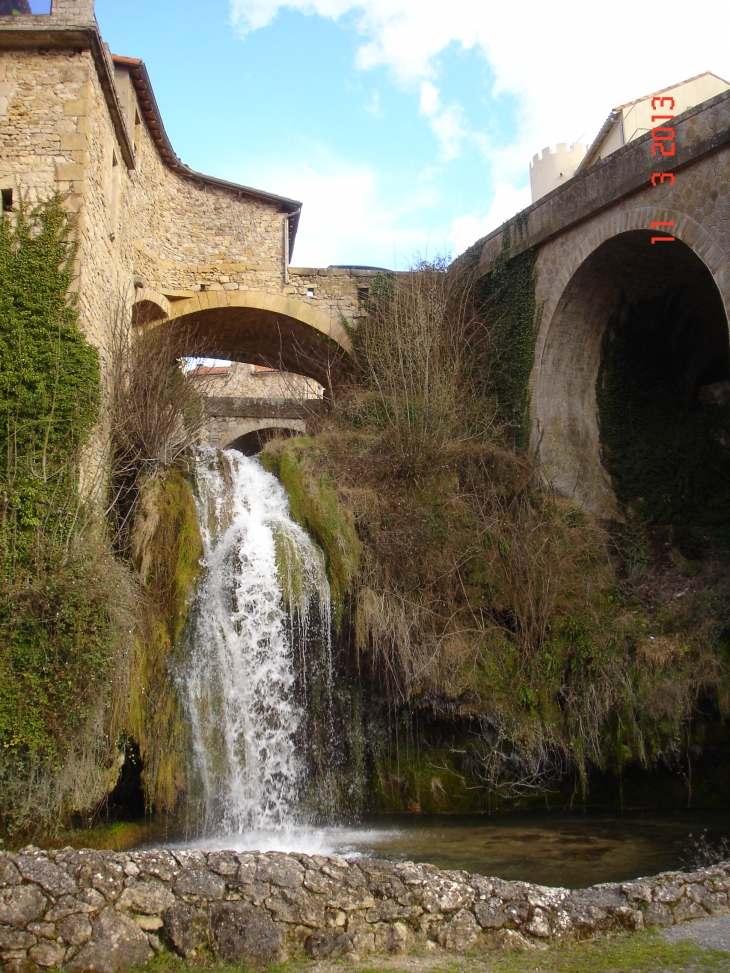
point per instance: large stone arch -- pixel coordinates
(264, 329)
(610, 261)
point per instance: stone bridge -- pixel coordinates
(593, 236)
(209, 256)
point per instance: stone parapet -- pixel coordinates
(104, 911)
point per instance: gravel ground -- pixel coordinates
(711, 933)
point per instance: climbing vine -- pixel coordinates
(64, 601)
(504, 344)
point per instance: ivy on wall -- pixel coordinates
(65, 604)
(49, 374)
(504, 345)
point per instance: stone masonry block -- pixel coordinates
(69, 172)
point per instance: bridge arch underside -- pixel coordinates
(262, 337)
(632, 393)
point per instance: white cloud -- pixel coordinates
(374, 106)
(446, 123)
(507, 201)
(566, 64)
(346, 217)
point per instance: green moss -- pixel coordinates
(167, 552)
(315, 505)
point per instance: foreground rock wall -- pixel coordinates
(102, 911)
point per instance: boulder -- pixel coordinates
(460, 933)
(48, 953)
(51, 877)
(240, 933)
(116, 943)
(151, 898)
(185, 929)
(195, 883)
(20, 905)
(323, 945)
(75, 930)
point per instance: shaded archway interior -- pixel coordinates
(262, 337)
(622, 280)
(251, 443)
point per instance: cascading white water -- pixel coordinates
(263, 588)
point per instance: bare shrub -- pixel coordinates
(410, 354)
(156, 410)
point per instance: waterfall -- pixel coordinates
(264, 592)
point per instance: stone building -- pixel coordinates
(153, 233)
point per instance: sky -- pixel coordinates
(405, 127)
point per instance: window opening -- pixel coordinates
(310, 292)
(7, 200)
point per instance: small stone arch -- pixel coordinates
(614, 258)
(240, 433)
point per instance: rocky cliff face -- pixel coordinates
(102, 911)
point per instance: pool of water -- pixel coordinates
(571, 849)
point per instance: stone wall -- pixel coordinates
(103, 911)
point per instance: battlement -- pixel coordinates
(553, 167)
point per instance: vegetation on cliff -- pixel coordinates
(91, 605)
(503, 637)
(65, 604)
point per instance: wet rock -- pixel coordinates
(46, 930)
(20, 905)
(11, 938)
(322, 945)
(186, 929)
(239, 933)
(195, 883)
(460, 933)
(48, 953)
(150, 897)
(318, 883)
(75, 930)
(223, 863)
(285, 873)
(116, 943)
(9, 874)
(658, 914)
(51, 877)
(191, 858)
(157, 864)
